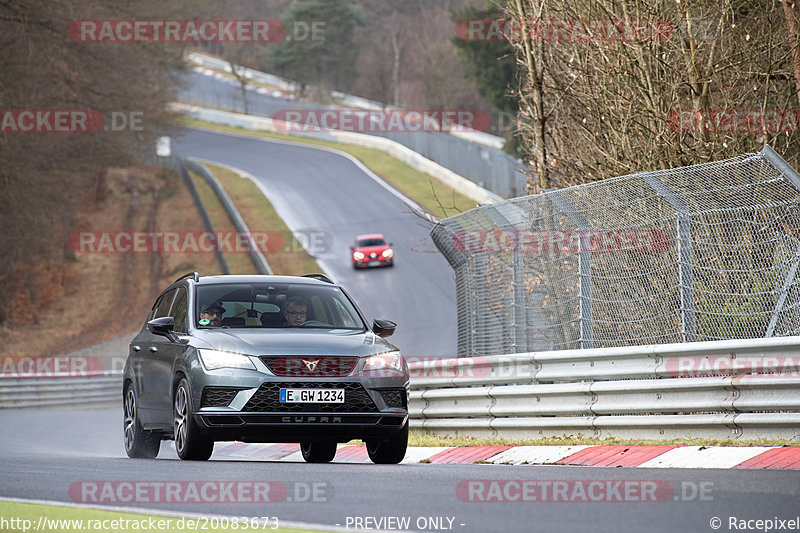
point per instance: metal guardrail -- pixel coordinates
(259, 261)
(735, 389)
(179, 165)
(99, 386)
(102, 390)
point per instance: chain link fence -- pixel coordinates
(698, 253)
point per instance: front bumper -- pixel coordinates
(256, 414)
(367, 263)
(281, 427)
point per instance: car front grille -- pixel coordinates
(267, 399)
(323, 366)
(218, 396)
(395, 398)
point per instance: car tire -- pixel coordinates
(389, 452)
(190, 444)
(139, 444)
(318, 451)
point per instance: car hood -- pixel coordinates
(294, 342)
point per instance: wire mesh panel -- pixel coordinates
(697, 253)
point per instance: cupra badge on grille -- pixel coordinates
(310, 365)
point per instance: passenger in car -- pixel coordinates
(213, 313)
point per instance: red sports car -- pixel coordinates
(370, 251)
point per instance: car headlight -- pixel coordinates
(358, 255)
(391, 362)
(214, 359)
(387, 253)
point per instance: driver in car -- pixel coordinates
(295, 311)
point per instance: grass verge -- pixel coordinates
(24, 517)
(416, 438)
(432, 195)
(260, 216)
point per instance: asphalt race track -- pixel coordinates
(44, 452)
(318, 191)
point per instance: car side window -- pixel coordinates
(164, 305)
(179, 310)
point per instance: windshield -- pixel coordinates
(370, 242)
(275, 305)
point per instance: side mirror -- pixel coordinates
(383, 328)
(162, 326)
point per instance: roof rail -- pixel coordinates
(193, 275)
(320, 277)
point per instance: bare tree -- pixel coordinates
(239, 55)
(635, 85)
(47, 179)
(531, 94)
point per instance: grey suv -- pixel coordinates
(263, 359)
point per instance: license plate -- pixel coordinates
(312, 395)
(374, 263)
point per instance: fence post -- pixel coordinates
(509, 217)
(685, 272)
(781, 166)
(477, 339)
(785, 288)
(520, 315)
(584, 268)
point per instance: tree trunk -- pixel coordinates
(396, 48)
(790, 10)
(243, 83)
(534, 70)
